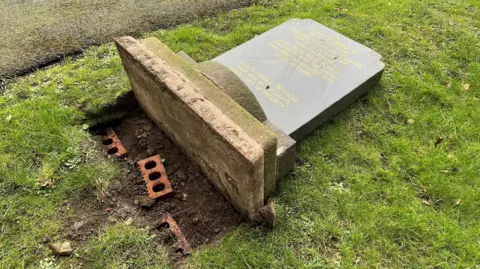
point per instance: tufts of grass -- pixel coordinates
(124, 246)
(374, 190)
(46, 152)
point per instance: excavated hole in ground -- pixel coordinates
(200, 210)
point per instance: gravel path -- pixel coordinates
(36, 32)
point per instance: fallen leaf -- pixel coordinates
(411, 121)
(439, 141)
(466, 86)
(458, 202)
(426, 202)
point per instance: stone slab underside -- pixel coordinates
(232, 160)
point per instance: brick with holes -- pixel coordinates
(181, 246)
(114, 145)
(155, 176)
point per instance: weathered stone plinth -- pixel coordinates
(235, 150)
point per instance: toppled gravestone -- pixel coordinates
(239, 116)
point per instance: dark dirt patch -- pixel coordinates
(202, 213)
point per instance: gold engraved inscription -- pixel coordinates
(315, 54)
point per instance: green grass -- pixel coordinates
(123, 246)
(37, 32)
(359, 196)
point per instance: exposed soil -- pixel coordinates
(201, 212)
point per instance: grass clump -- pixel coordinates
(124, 246)
(46, 153)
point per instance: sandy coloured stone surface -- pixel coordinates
(231, 158)
(219, 98)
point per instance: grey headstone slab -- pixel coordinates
(304, 73)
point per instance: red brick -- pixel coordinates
(114, 146)
(182, 245)
(155, 176)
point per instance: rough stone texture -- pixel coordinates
(234, 87)
(231, 158)
(286, 151)
(247, 122)
(62, 249)
(186, 58)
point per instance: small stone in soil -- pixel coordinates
(63, 249)
(150, 152)
(148, 128)
(180, 174)
(112, 219)
(129, 221)
(77, 225)
(115, 185)
(144, 201)
(139, 182)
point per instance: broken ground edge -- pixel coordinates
(232, 159)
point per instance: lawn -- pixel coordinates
(391, 182)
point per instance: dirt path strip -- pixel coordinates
(36, 33)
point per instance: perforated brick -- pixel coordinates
(155, 176)
(182, 245)
(113, 143)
